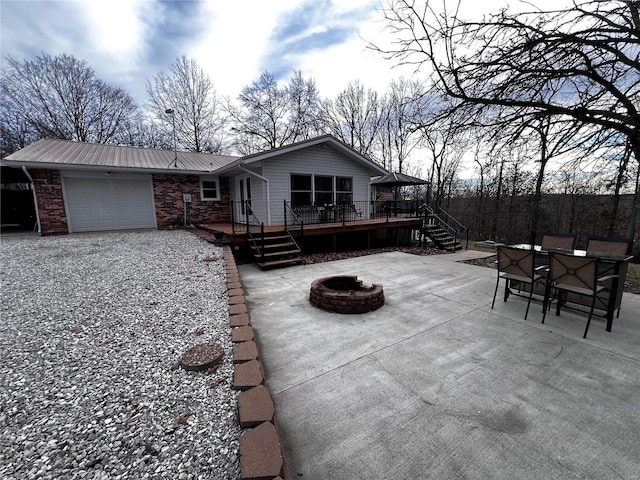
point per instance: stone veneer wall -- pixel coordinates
(48, 188)
(168, 190)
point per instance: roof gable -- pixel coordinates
(328, 140)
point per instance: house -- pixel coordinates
(80, 187)
(318, 190)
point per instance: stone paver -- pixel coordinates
(261, 453)
(242, 334)
(235, 309)
(245, 351)
(239, 320)
(247, 375)
(236, 300)
(255, 406)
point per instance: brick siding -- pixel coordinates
(48, 188)
(168, 190)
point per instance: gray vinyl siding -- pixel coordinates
(318, 160)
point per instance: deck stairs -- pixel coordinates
(441, 238)
(443, 230)
(275, 250)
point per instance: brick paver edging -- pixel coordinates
(261, 455)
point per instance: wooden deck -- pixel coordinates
(322, 228)
(239, 238)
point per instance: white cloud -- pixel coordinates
(237, 45)
(129, 41)
(115, 30)
(236, 41)
(115, 45)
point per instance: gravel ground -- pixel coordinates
(92, 327)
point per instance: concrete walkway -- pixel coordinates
(437, 385)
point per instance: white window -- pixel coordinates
(321, 190)
(301, 193)
(209, 188)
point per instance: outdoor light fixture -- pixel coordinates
(169, 111)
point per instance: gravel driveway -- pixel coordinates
(91, 328)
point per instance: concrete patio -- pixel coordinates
(437, 385)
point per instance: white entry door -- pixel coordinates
(243, 196)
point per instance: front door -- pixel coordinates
(243, 196)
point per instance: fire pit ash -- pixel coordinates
(345, 294)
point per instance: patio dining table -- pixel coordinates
(614, 265)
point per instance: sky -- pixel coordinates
(127, 42)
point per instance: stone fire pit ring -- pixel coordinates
(345, 294)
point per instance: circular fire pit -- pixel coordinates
(345, 294)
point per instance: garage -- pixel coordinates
(108, 201)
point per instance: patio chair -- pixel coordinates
(609, 245)
(558, 241)
(572, 274)
(516, 265)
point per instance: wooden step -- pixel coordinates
(272, 246)
(275, 250)
(280, 263)
(280, 233)
(279, 253)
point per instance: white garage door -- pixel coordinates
(109, 202)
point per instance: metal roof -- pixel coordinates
(399, 180)
(66, 154)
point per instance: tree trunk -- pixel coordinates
(496, 209)
(622, 168)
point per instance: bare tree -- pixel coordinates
(304, 107)
(189, 92)
(582, 62)
(355, 117)
(398, 136)
(444, 137)
(60, 97)
(15, 131)
(140, 132)
(270, 116)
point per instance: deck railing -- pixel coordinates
(456, 229)
(253, 227)
(294, 226)
(350, 213)
(461, 230)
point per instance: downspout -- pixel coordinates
(266, 181)
(35, 199)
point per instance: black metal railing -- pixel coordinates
(460, 229)
(294, 226)
(350, 213)
(457, 230)
(253, 227)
